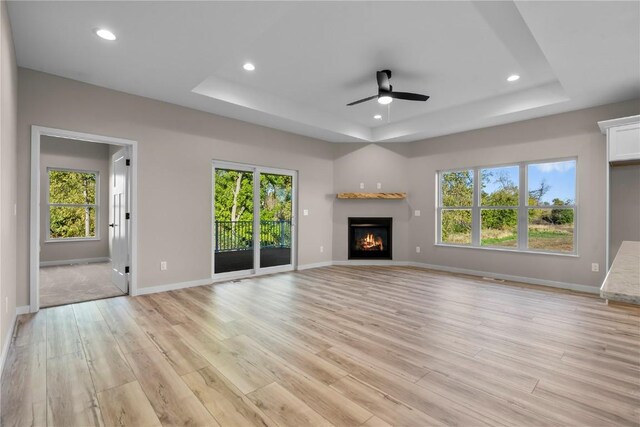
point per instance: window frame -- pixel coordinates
(96, 206)
(522, 208)
(452, 208)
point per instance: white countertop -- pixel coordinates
(623, 280)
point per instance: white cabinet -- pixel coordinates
(623, 185)
(623, 138)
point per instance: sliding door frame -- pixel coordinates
(256, 171)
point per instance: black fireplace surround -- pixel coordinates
(370, 238)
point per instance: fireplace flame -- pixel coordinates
(370, 242)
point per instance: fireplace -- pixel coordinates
(370, 238)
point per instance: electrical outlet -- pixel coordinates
(321, 248)
(417, 249)
(163, 265)
(595, 267)
(379, 185)
(362, 185)
(416, 213)
(305, 212)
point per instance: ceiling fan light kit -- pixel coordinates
(386, 94)
(385, 99)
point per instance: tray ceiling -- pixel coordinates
(312, 58)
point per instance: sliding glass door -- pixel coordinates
(276, 214)
(233, 220)
(253, 219)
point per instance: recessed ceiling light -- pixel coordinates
(377, 117)
(513, 78)
(385, 99)
(103, 33)
(249, 66)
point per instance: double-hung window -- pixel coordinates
(525, 206)
(456, 206)
(72, 205)
(551, 206)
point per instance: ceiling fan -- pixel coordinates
(386, 94)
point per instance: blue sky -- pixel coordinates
(512, 172)
(559, 176)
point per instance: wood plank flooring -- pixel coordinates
(343, 346)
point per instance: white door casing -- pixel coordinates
(34, 204)
(119, 225)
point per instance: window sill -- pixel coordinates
(516, 251)
(73, 239)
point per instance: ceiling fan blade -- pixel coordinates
(383, 81)
(409, 96)
(362, 100)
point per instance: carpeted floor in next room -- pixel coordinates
(75, 283)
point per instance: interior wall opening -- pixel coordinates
(81, 247)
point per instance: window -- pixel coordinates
(499, 200)
(456, 197)
(551, 205)
(72, 204)
(527, 207)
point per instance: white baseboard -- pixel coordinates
(173, 286)
(6, 343)
(522, 279)
(74, 261)
(372, 262)
(315, 265)
(224, 277)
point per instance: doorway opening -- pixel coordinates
(83, 225)
(254, 224)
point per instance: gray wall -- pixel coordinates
(176, 146)
(624, 181)
(70, 154)
(563, 135)
(8, 175)
(370, 164)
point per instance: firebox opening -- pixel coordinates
(370, 238)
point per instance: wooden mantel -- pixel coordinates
(396, 196)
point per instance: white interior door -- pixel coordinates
(119, 227)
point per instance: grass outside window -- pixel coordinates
(527, 207)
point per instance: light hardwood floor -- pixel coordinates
(344, 346)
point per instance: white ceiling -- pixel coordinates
(312, 58)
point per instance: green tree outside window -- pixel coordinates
(72, 204)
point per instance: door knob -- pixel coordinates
(112, 225)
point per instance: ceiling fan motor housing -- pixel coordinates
(385, 91)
